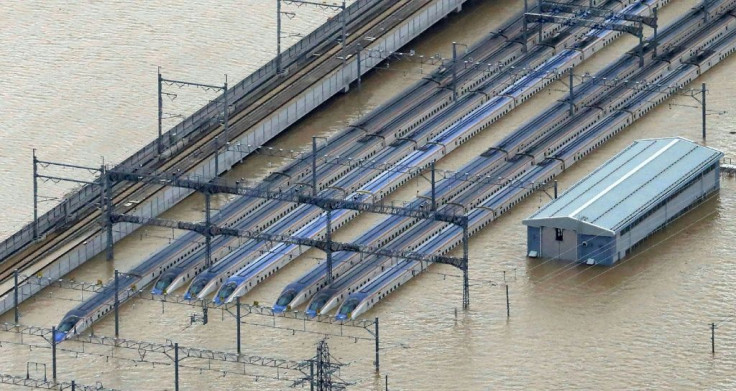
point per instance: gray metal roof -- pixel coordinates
(626, 186)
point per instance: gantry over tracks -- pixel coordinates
(259, 108)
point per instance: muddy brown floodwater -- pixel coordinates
(79, 84)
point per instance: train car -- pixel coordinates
(211, 279)
(196, 262)
(300, 290)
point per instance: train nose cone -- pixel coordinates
(341, 317)
(311, 313)
(59, 336)
(161, 285)
(277, 309)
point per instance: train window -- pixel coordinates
(68, 324)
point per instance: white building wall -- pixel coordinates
(683, 201)
(563, 250)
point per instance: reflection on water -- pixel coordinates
(81, 70)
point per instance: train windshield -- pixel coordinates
(348, 307)
(197, 287)
(285, 299)
(317, 304)
(226, 291)
(163, 283)
(68, 324)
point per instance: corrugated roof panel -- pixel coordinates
(642, 189)
(629, 175)
(683, 170)
(630, 182)
(596, 181)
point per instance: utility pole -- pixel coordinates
(176, 366)
(434, 201)
(205, 87)
(378, 366)
(15, 296)
(208, 234)
(324, 5)
(117, 305)
(328, 250)
(656, 25)
(278, 37)
(35, 195)
(105, 178)
(524, 28)
(53, 353)
(572, 94)
(314, 164)
(36, 175)
(160, 112)
(703, 91)
(237, 322)
(466, 282)
(226, 116)
(357, 60)
(344, 19)
(641, 45)
(454, 71)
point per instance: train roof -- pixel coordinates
(626, 186)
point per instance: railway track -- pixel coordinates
(381, 123)
(78, 234)
(204, 285)
(258, 84)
